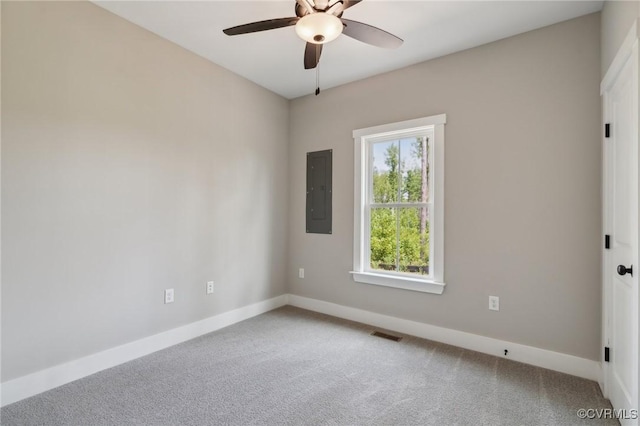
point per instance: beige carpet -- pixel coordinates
(294, 367)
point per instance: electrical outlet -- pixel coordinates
(168, 296)
(301, 273)
(494, 303)
(210, 287)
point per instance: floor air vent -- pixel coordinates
(386, 336)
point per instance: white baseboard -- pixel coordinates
(556, 361)
(41, 381)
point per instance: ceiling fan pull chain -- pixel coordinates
(317, 79)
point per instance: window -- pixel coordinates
(399, 205)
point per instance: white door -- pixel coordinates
(621, 267)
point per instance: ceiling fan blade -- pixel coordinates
(269, 24)
(341, 5)
(370, 35)
(312, 55)
(349, 3)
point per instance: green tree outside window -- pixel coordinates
(400, 235)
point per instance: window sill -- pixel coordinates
(406, 283)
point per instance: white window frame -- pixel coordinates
(363, 139)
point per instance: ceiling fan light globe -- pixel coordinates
(319, 28)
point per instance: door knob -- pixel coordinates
(623, 270)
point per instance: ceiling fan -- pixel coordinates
(318, 22)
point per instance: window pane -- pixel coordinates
(414, 240)
(384, 248)
(414, 167)
(385, 171)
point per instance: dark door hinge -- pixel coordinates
(607, 241)
(607, 130)
(606, 354)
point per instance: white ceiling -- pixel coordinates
(273, 59)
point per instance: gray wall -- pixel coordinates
(522, 187)
(129, 165)
(616, 20)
